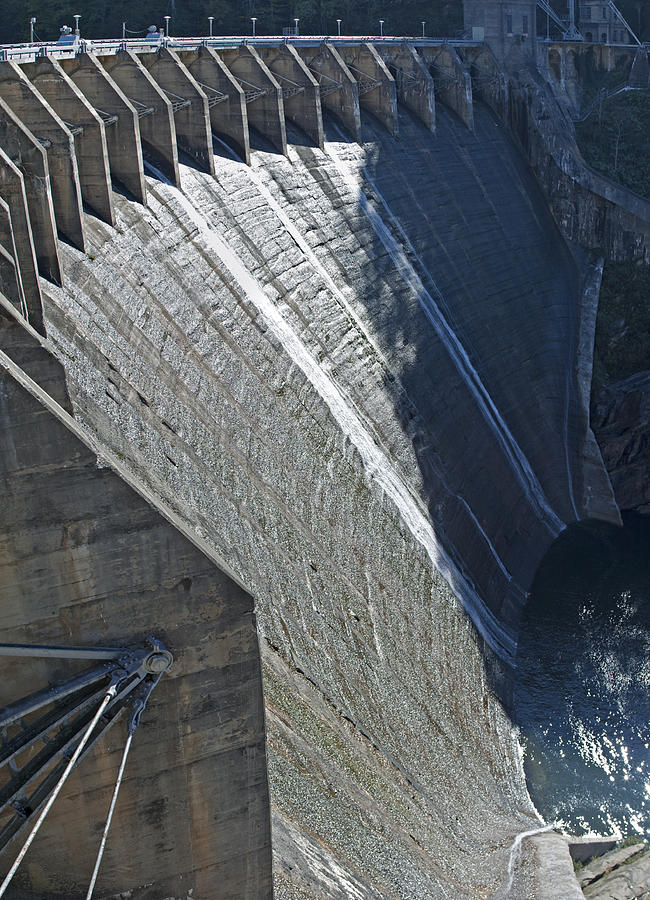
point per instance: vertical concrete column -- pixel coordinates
(300, 90)
(86, 125)
(339, 92)
(155, 113)
(452, 81)
(414, 84)
(10, 284)
(12, 191)
(189, 103)
(377, 89)
(30, 157)
(263, 94)
(120, 119)
(38, 116)
(226, 98)
(489, 81)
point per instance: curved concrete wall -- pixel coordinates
(355, 377)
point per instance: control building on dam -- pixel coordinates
(296, 348)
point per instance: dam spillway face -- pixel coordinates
(281, 332)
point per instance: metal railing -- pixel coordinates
(29, 51)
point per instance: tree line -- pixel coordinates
(103, 19)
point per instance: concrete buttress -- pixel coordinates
(415, 88)
(300, 90)
(30, 156)
(155, 113)
(38, 116)
(189, 104)
(86, 125)
(377, 90)
(226, 98)
(10, 282)
(12, 191)
(339, 92)
(263, 94)
(452, 81)
(120, 120)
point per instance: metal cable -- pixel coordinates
(116, 790)
(55, 793)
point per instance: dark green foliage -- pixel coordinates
(623, 323)
(614, 140)
(103, 19)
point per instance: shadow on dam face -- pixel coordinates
(474, 298)
(581, 685)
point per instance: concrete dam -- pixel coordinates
(296, 364)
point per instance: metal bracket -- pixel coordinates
(69, 706)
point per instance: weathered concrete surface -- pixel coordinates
(44, 123)
(123, 132)
(621, 421)
(157, 128)
(227, 100)
(86, 125)
(24, 150)
(84, 560)
(323, 367)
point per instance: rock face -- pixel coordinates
(354, 377)
(621, 420)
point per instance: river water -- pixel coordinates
(582, 693)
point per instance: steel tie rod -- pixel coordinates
(110, 694)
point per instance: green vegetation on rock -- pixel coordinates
(623, 323)
(614, 140)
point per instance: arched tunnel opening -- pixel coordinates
(581, 694)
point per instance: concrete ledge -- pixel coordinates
(339, 92)
(555, 879)
(377, 89)
(87, 127)
(189, 104)
(38, 116)
(263, 94)
(415, 88)
(155, 114)
(29, 156)
(12, 191)
(10, 282)
(300, 90)
(226, 99)
(120, 117)
(452, 81)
